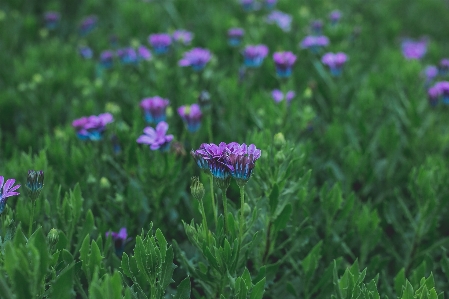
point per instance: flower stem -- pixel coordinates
(206, 230)
(225, 208)
(242, 216)
(214, 208)
(30, 229)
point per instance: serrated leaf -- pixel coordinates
(167, 269)
(95, 258)
(399, 282)
(258, 290)
(125, 266)
(162, 243)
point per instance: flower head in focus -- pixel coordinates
(241, 159)
(191, 115)
(254, 55)
(156, 139)
(197, 58)
(160, 42)
(7, 189)
(92, 127)
(284, 62)
(154, 109)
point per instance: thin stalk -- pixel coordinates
(30, 229)
(225, 208)
(242, 217)
(206, 230)
(214, 207)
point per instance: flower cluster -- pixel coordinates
(439, 91)
(156, 139)
(412, 49)
(278, 96)
(160, 42)
(7, 189)
(224, 161)
(191, 115)
(284, 62)
(335, 62)
(154, 109)
(254, 55)
(92, 127)
(196, 58)
(283, 20)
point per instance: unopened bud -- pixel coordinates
(279, 157)
(279, 141)
(197, 188)
(35, 183)
(53, 236)
(104, 183)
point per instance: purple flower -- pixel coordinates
(191, 115)
(444, 66)
(314, 43)
(144, 53)
(281, 19)
(235, 36)
(270, 4)
(278, 96)
(154, 109)
(85, 52)
(335, 16)
(51, 19)
(156, 139)
(119, 239)
(88, 24)
(335, 62)
(127, 55)
(7, 190)
(197, 58)
(183, 37)
(241, 159)
(316, 27)
(433, 94)
(107, 59)
(160, 42)
(254, 55)
(430, 72)
(92, 127)
(284, 62)
(412, 49)
(443, 87)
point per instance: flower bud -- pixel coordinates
(197, 188)
(53, 236)
(279, 141)
(104, 183)
(35, 183)
(279, 157)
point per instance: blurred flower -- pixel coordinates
(254, 55)
(197, 58)
(283, 20)
(127, 55)
(107, 59)
(119, 239)
(241, 159)
(113, 40)
(7, 190)
(88, 24)
(335, 62)
(52, 19)
(85, 52)
(144, 53)
(116, 144)
(191, 115)
(284, 62)
(270, 4)
(412, 49)
(443, 87)
(433, 94)
(178, 148)
(154, 109)
(156, 139)
(278, 96)
(314, 43)
(204, 100)
(235, 36)
(444, 67)
(430, 73)
(249, 5)
(92, 127)
(160, 42)
(335, 16)
(183, 37)
(316, 27)
(35, 183)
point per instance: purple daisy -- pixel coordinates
(433, 94)
(197, 58)
(444, 67)
(316, 27)
(282, 19)
(160, 42)
(156, 139)
(107, 59)
(278, 96)
(335, 62)
(7, 189)
(412, 49)
(335, 17)
(241, 159)
(183, 37)
(127, 55)
(284, 62)
(314, 43)
(443, 87)
(191, 115)
(119, 239)
(254, 55)
(154, 109)
(235, 36)
(85, 52)
(144, 53)
(92, 127)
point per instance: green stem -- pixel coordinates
(214, 208)
(206, 230)
(225, 208)
(30, 229)
(209, 126)
(242, 216)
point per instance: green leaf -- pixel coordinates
(84, 255)
(95, 258)
(140, 257)
(274, 198)
(5, 290)
(183, 289)
(310, 262)
(283, 218)
(125, 266)
(162, 243)
(408, 291)
(167, 269)
(399, 281)
(62, 287)
(258, 290)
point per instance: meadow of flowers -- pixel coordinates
(224, 149)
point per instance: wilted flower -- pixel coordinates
(156, 139)
(35, 183)
(85, 52)
(335, 62)
(154, 109)
(183, 37)
(314, 43)
(235, 36)
(88, 24)
(335, 16)
(412, 49)
(278, 96)
(144, 53)
(119, 239)
(316, 27)
(107, 59)
(197, 58)
(283, 20)
(51, 19)
(284, 62)
(254, 55)
(92, 127)
(191, 115)
(160, 42)
(7, 190)
(444, 67)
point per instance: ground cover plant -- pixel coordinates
(224, 149)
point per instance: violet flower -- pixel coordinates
(433, 94)
(197, 58)
(430, 72)
(92, 127)
(144, 53)
(316, 27)
(119, 239)
(412, 49)
(443, 87)
(191, 115)
(127, 55)
(235, 36)
(160, 42)
(7, 190)
(281, 19)
(284, 62)
(88, 24)
(183, 37)
(278, 96)
(156, 139)
(154, 109)
(335, 62)
(241, 159)
(270, 4)
(254, 55)
(335, 17)
(85, 52)
(314, 43)
(107, 59)
(444, 67)
(52, 19)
